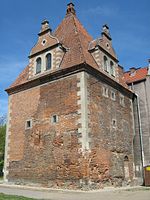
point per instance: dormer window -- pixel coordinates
(48, 61)
(112, 71)
(38, 65)
(105, 64)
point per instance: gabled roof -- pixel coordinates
(101, 42)
(72, 34)
(22, 78)
(74, 37)
(75, 40)
(136, 75)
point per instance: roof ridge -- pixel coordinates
(80, 43)
(75, 17)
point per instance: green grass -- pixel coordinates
(11, 197)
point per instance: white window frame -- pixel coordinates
(105, 91)
(114, 125)
(106, 64)
(121, 100)
(26, 124)
(46, 61)
(113, 98)
(52, 119)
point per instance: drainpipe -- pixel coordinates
(141, 135)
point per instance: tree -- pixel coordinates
(2, 147)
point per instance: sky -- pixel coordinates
(20, 22)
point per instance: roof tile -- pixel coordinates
(137, 75)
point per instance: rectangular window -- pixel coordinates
(28, 124)
(114, 123)
(105, 91)
(113, 95)
(54, 119)
(122, 100)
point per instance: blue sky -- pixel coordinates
(20, 21)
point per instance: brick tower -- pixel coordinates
(70, 119)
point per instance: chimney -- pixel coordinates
(70, 9)
(45, 27)
(105, 31)
(132, 71)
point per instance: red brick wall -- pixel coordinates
(48, 153)
(109, 145)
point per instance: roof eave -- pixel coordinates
(67, 72)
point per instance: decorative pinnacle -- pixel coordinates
(106, 28)
(105, 31)
(70, 9)
(45, 26)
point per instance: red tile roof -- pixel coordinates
(72, 34)
(102, 43)
(137, 75)
(22, 78)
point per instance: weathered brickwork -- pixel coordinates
(84, 148)
(110, 143)
(48, 152)
(71, 124)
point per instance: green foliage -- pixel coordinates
(2, 147)
(10, 197)
(2, 138)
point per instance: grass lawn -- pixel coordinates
(1, 178)
(10, 197)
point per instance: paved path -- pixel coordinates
(137, 193)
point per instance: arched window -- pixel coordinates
(112, 71)
(126, 167)
(48, 61)
(105, 64)
(38, 65)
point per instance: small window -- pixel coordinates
(54, 119)
(122, 100)
(113, 95)
(126, 158)
(108, 46)
(38, 65)
(126, 168)
(28, 124)
(105, 91)
(105, 64)
(114, 123)
(48, 61)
